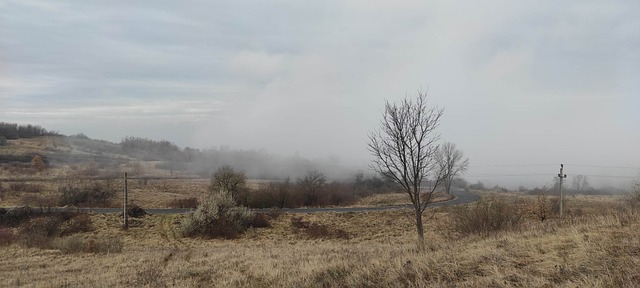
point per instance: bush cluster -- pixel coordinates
(292, 195)
(25, 187)
(38, 228)
(184, 203)
(135, 211)
(218, 217)
(79, 192)
(486, 216)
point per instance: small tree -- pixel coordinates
(38, 163)
(580, 184)
(404, 150)
(451, 162)
(311, 185)
(228, 179)
(280, 191)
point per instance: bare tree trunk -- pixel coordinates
(420, 230)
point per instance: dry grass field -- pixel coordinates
(596, 244)
(596, 247)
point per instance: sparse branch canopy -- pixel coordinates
(451, 163)
(311, 185)
(229, 180)
(404, 150)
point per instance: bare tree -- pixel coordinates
(580, 183)
(311, 184)
(279, 192)
(451, 162)
(404, 150)
(229, 180)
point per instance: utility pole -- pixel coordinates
(125, 223)
(561, 176)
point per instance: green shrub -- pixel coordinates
(486, 216)
(217, 217)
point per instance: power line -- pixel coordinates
(600, 166)
(512, 165)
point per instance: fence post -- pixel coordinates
(125, 217)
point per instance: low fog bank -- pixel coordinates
(256, 164)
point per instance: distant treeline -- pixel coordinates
(16, 131)
(255, 163)
(162, 149)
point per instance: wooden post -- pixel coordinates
(125, 218)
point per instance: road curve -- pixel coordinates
(461, 197)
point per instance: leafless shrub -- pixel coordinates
(6, 237)
(15, 216)
(485, 217)
(37, 200)
(77, 224)
(25, 187)
(78, 192)
(634, 197)
(545, 207)
(260, 220)
(135, 211)
(38, 232)
(299, 223)
(184, 203)
(274, 213)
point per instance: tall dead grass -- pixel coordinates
(591, 250)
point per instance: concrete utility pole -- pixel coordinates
(125, 223)
(561, 176)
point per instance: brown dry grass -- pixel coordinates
(393, 199)
(601, 248)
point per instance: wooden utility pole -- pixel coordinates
(125, 223)
(561, 176)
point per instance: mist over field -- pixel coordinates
(525, 86)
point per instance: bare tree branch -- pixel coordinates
(404, 149)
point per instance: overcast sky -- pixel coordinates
(522, 82)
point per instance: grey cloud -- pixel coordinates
(521, 82)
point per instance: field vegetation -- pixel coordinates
(596, 244)
(507, 239)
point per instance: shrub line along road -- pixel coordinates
(461, 197)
